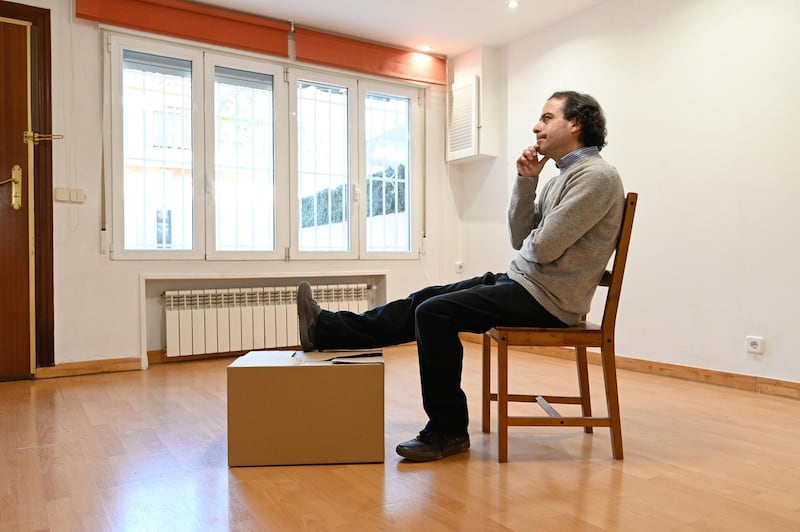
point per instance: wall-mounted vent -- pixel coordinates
(462, 120)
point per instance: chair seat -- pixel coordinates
(584, 334)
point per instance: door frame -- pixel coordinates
(42, 122)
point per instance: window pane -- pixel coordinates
(157, 152)
(244, 161)
(323, 169)
(388, 149)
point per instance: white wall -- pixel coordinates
(97, 300)
(482, 203)
(701, 101)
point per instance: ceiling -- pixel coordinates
(448, 27)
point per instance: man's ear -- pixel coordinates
(575, 126)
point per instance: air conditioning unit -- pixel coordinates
(463, 119)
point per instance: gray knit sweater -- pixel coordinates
(566, 237)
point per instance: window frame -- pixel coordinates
(117, 44)
(280, 147)
(294, 75)
(204, 59)
(415, 172)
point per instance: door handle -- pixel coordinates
(36, 138)
(16, 186)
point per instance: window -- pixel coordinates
(221, 156)
(245, 155)
(157, 151)
(387, 160)
(358, 168)
(324, 111)
(244, 177)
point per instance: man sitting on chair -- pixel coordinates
(565, 239)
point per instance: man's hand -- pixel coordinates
(529, 164)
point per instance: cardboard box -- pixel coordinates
(290, 407)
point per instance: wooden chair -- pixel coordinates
(580, 337)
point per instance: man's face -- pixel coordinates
(556, 136)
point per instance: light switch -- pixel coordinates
(61, 194)
(77, 195)
(69, 195)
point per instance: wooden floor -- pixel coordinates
(146, 450)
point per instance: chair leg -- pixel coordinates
(486, 383)
(612, 396)
(583, 384)
(502, 400)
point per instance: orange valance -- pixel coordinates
(189, 20)
(363, 56)
(203, 23)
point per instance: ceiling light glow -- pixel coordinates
(512, 4)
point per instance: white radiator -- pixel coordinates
(222, 320)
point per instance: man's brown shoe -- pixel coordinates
(307, 313)
(430, 445)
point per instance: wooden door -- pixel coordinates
(26, 229)
(17, 338)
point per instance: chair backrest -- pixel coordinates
(613, 279)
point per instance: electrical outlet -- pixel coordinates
(459, 267)
(754, 344)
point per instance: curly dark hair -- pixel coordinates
(589, 114)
